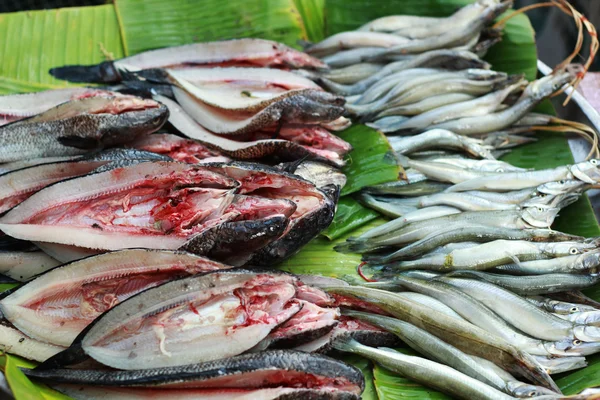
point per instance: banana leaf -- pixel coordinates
(35, 41)
(312, 18)
(21, 386)
(350, 215)
(7, 286)
(149, 24)
(577, 381)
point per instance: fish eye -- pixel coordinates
(593, 161)
(533, 393)
(573, 250)
(574, 309)
(577, 342)
(540, 209)
(500, 170)
(561, 182)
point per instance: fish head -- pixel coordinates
(586, 171)
(526, 390)
(485, 74)
(572, 347)
(544, 87)
(562, 186)
(539, 216)
(139, 118)
(587, 333)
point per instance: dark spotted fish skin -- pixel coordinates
(77, 134)
(199, 375)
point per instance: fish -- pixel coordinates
(401, 188)
(350, 74)
(456, 332)
(440, 139)
(522, 314)
(79, 392)
(426, 372)
(586, 262)
(353, 39)
(24, 265)
(451, 59)
(282, 150)
(268, 369)
(586, 171)
(559, 365)
(321, 175)
(20, 184)
(474, 233)
(16, 342)
(14, 107)
(78, 126)
(201, 318)
(559, 307)
(57, 305)
(177, 202)
(304, 107)
(538, 284)
(239, 52)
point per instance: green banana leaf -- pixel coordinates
(35, 41)
(350, 215)
(21, 386)
(149, 24)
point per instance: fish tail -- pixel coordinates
(335, 87)
(104, 72)
(357, 246)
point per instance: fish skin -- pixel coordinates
(34, 138)
(279, 362)
(303, 231)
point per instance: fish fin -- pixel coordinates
(515, 259)
(79, 142)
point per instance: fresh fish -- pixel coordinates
(79, 392)
(24, 265)
(583, 318)
(314, 212)
(491, 254)
(347, 58)
(440, 139)
(351, 74)
(427, 104)
(391, 23)
(401, 188)
(479, 233)
(562, 265)
(164, 211)
(304, 107)
(426, 372)
(16, 342)
(56, 306)
(201, 318)
(537, 284)
(396, 232)
(456, 332)
(18, 185)
(480, 315)
(282, 149)
(272, 368)
(522, 314)
(14, 107)
(240, 52)
(586, 171)
(386, 205)
(354, 39)
(453, 38)
(450, 59)
(514, 387)
(535, 92)
(430, 346)
(79, 126)
(559, 307)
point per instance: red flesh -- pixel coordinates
(179, 149)
(354, 303)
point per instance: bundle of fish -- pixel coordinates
(164, 320)
(236, 99)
